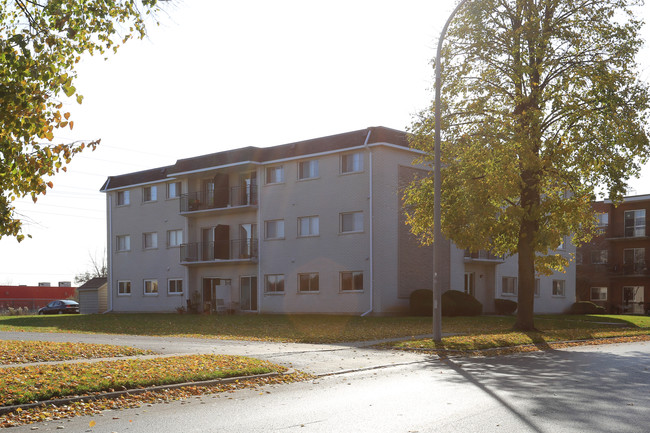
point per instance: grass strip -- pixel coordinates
(18, 352)
(19, 385)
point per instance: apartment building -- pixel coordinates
(309, 227)
(612, 269)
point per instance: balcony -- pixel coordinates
(482, 256)
(238, 250)
(220, 198)
(630, 269)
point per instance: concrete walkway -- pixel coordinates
(317, 359)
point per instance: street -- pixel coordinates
(585, 389)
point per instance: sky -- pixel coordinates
(219, 75)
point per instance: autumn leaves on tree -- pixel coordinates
(542, 108)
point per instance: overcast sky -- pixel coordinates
(219, 75)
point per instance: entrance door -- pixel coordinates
(247, 240)
(213, 289)
(248, 293)
(633, 299)
(248, 189)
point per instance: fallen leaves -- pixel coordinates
(18, 352)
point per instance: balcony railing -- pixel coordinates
(483, 255)
(639, 268)
(219, 198)
(238, 249)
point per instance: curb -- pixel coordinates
(135, 391)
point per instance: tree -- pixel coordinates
(542, 108)
(41, 42)
(97, 270)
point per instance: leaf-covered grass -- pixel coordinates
(550, 329)
(37, 383)
(324, 328)
(17, 352)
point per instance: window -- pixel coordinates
(602, 221)
(598, 294)
(275, 174)
(537, 284)
(274, 284)
(634, 259)
(634, 223)
(123, 198)
(578, 258)
(174, 238)
(599, 257)
(558, 287)
(351, 281)
(124, 243)
(150, 287)
(123, 288)
(175, 286)
(308, 169)
(509, 285)
(308, 282)
(351, 222)
(562, 245)
(150, 240)
(274, 229)
(149, 193)
(352, 163)
(173, 190)
(308, 226)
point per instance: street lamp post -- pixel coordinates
(438, 247)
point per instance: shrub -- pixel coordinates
(456, 303)
(421, 302)
(586, 307)
(505, 306)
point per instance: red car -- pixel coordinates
(63, 306)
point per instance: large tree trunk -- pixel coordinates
(528, 232)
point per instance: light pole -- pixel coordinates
(438, 247)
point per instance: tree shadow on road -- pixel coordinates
(593, 391)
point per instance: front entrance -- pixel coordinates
(633, 300)
(248, 293)
(470, 284)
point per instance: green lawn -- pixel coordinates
(484, 330)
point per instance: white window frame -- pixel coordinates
(601, 291)
(123, 198)
(174, 238)
(274, 284)
(537, 289)
(123, 288)
(308, 169)
(310, 279)
(175, 282)
(276, 226)
(174, 190)
(638, 226)
(153, 243)
(352, 275)
(149, 194)
(505, 283)
(123, 243)
(559, 288)
(312, 225)
(352, 163)
(356, 221)
(150, 287)
(274, 174)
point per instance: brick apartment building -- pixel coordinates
(612, 270)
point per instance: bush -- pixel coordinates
(504, 306)
(456, 303)
(586, 307)
(421, 302)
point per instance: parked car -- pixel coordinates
(63, 306)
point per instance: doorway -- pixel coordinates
(248, 293)
(633, 299)
(213, 289)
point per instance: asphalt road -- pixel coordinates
(585, 389)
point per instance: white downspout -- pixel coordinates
(370, 228)
(109, 251)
